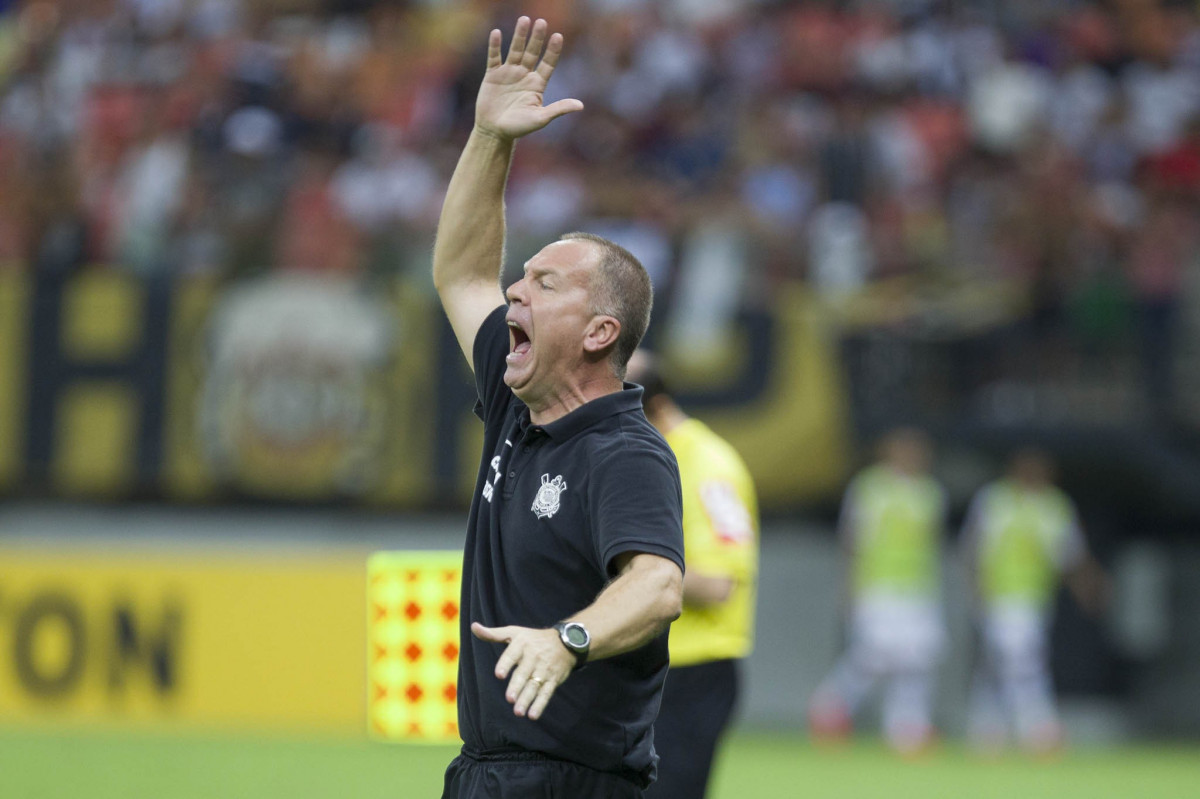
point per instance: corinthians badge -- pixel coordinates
(545, 504)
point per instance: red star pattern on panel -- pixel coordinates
(411, 689)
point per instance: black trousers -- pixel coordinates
(529, 775)
(697, 704)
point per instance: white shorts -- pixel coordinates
(1015, 635)
(899, 633)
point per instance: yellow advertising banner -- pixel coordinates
(304, 389)
(253, 639)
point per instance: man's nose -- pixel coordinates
(513, 293)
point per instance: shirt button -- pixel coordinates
(511, 475)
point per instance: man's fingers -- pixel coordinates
(516, 50)
(529, 693)
(505, 663)
(529, 663)
(510, 657)
(534, 50)
(545, 691)
(550, 59)
(519, 682)
(499, 635)
(493, 56)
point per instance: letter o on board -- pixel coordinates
(49, 679)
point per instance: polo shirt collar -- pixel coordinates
(590, 413)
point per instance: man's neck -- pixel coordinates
(558, 405)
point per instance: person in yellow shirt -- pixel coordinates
(715, 632)
(892, 525)
(1021, 534)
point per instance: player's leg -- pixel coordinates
(844, 690)
(1035, 713)
(697, 704)
(908, 710)
(915, 644)
(1026, 684)
(986, 729)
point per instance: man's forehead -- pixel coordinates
(560, 256)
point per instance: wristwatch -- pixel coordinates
(576, 639)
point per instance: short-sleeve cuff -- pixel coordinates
(640, 545)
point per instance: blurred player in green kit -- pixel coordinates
(892, 525)
(1021, 535)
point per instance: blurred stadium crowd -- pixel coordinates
(1049, 151)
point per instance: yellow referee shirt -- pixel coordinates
(720, 538)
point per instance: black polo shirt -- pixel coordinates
(554, 505)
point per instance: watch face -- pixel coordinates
(576, 635)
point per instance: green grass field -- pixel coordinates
(56, 765)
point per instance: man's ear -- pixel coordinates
(601, 335)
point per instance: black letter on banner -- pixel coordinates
(33, 675)
(155, 648)
(52, 372)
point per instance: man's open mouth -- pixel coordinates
(519, 342)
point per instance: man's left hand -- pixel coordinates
(537, 660)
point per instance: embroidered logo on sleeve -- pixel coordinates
(545, 504)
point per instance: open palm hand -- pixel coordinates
(509, 104)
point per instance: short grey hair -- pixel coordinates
(620, 288)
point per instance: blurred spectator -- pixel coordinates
(314, 235)
(1163, 247)
(57, 233)
(150, 186)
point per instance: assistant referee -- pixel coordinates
(716, 630)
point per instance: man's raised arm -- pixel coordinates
(469, 248)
